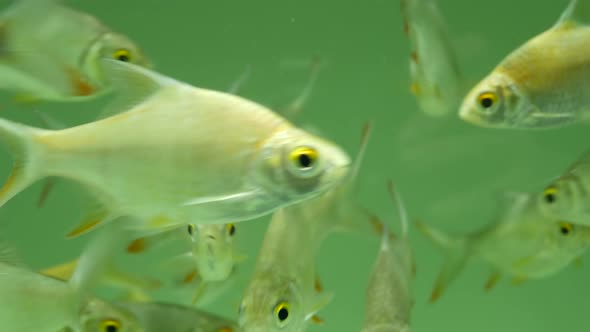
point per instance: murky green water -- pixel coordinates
(449, 172)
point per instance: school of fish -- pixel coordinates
(161, 177)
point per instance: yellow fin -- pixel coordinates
(45, 191)
(190, 277)
(25, 98)
(318, 284)
(518, 280)
(199, 292)
(492, 280)
(92, 221)
(317, 319)
(136, 246)
(62, 271)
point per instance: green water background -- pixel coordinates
(450, 173)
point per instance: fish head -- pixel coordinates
(569, 238)
(496, 102)
(111, 46)
(213, 250)
(558, 200)
(294, 165)
(271, 304)
(99, 316)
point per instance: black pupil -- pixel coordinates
(487, 102)
(111, 328)
(283, 314)
(232, 230)
(123, 57)
(304, 160)
(190, 229)
(550, 198)
(565, 230)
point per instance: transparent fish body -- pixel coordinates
(180, 155)
(436, 78)
(568, 196)
(544, 83)
(52, 52)
(523, 244)
(389, 296)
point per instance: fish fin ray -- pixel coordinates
(296, 106)
(132, 84)
(456, 251)
(577, 12)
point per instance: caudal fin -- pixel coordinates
(27, 158)
(456, 252)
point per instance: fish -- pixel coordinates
(521, 243)
(99, 315)
(436, 77)
(210, 252)
(389, 297)
(52, 52)
(179, 154)
(542, 84)
(285, 293)
(25, 293)
(567, 196)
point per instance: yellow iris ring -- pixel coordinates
(310, 153)
(122, 53)
(492, 97)
(566, 227)
(231, 229)
(281, 306)
(106, 325)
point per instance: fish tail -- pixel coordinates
(456, 250)
(28, 160)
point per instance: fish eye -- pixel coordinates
(231, 229)
(566, 228)
(110, 325)
(282, 311)
(304, 158)
(487, 99)
(191, 229)
(122, 55)
(549, 194)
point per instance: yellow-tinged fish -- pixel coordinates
(389, 295)
(544, 83)
(568, 196)
(522, 243)
(100, 316)
(284, 293)
(51, 52)
(436, 78)
(180, 154)
(34, 302)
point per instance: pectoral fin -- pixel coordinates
(321, 301)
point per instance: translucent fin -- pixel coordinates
(492, 281)
(95, 218)
(97, 257)
(145, 243)
(20, 139)
(318, 284)
(297, 105)
(234, 88)
(199, 291)
(577, 12)
(62, 271)
(456, 256)
(399, 204)
(243, 196)
(132, 84)
(321, 301)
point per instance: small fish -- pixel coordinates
(210, 254)
(522, 243)
(179, 154)
(436, 77)
(284, 293)
(100, 316)
(568, 196)
(389, 298)
(53, 303)
(51, 52)
(544, 83)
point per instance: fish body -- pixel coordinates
(180, 154)
(284, 293)
(152, 317)
(436, 77)
(523, 244)
(51, 52)
(544, 83)
(567, 196)
(389, 297)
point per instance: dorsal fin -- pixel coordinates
(132, 84)
(577, 13)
